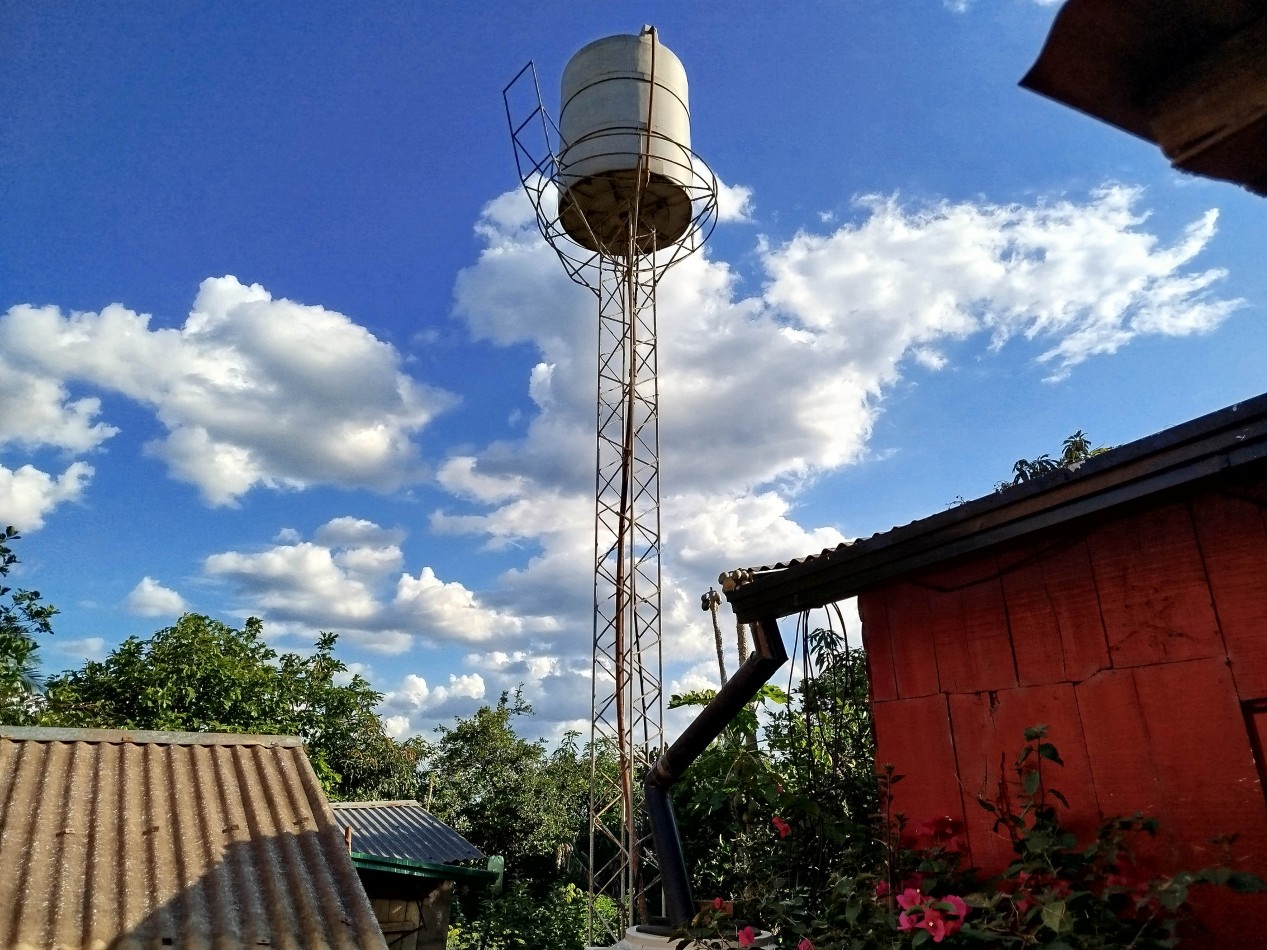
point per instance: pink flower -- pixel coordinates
(805, 944)
(957, 907)
(784, 828)
(881, 889)
(910, 899)
(934, 924)
(723, 907)
(905, 922)
(747, 937)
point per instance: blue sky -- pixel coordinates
(278, 337)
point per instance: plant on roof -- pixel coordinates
(1074, 450)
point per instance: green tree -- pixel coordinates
(770, 813)
(22, 616)
(202, 675)
(509, 796)
(528, 803)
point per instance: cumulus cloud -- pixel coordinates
(734, 202)
(763, 393)
(1083, 278)
(413, 703)
(27, 495)
(149, 598)
(253, 391)
(840, 316)
(350, 579)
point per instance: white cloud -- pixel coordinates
(149, 598)
(1083, 277)
(762, 394)
(27, 495)
(37, 411)
(349, 580)
(962, 6)
(86, 648)
(253, 391)
(414, 705)
(734, 202)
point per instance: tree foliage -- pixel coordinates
(810, 766)
(202, 675)
(1074, 450)
(509, 796)
(528, 803)
(22, 616)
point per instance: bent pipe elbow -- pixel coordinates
(735, 694)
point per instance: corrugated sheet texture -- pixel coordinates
(403, 830)
(1226, 443)
(133, 839)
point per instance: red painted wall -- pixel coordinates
(1141, 642)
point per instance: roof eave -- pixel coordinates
(1179, 456)
(427, 869)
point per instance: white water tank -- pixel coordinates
(613, 90)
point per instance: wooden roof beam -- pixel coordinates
(1210, 117)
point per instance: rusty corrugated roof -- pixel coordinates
(404, 830)
(113, 838)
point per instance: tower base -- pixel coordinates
(636, 939)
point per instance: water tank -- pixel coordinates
(613, 90)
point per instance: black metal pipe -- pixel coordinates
(734, 695)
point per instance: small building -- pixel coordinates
(1123, 603)
(405, 858)
(114, 838)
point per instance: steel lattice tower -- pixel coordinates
(617, 253)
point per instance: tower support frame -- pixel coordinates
(627, 705)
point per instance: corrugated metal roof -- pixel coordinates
(403, 830)
(1204, 448)
(113, 838)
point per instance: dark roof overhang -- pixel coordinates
(1187, 75)
(1192, 452)
(425, 869)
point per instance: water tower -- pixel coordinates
(621, 197)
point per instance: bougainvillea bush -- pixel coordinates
(814, 852)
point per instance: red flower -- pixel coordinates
(942, 917)
(957, 907)
(747, 937)
(910, 899)
(723, 907)
(784, 828)
(881, 889)
(805, 944)
(934, 924)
